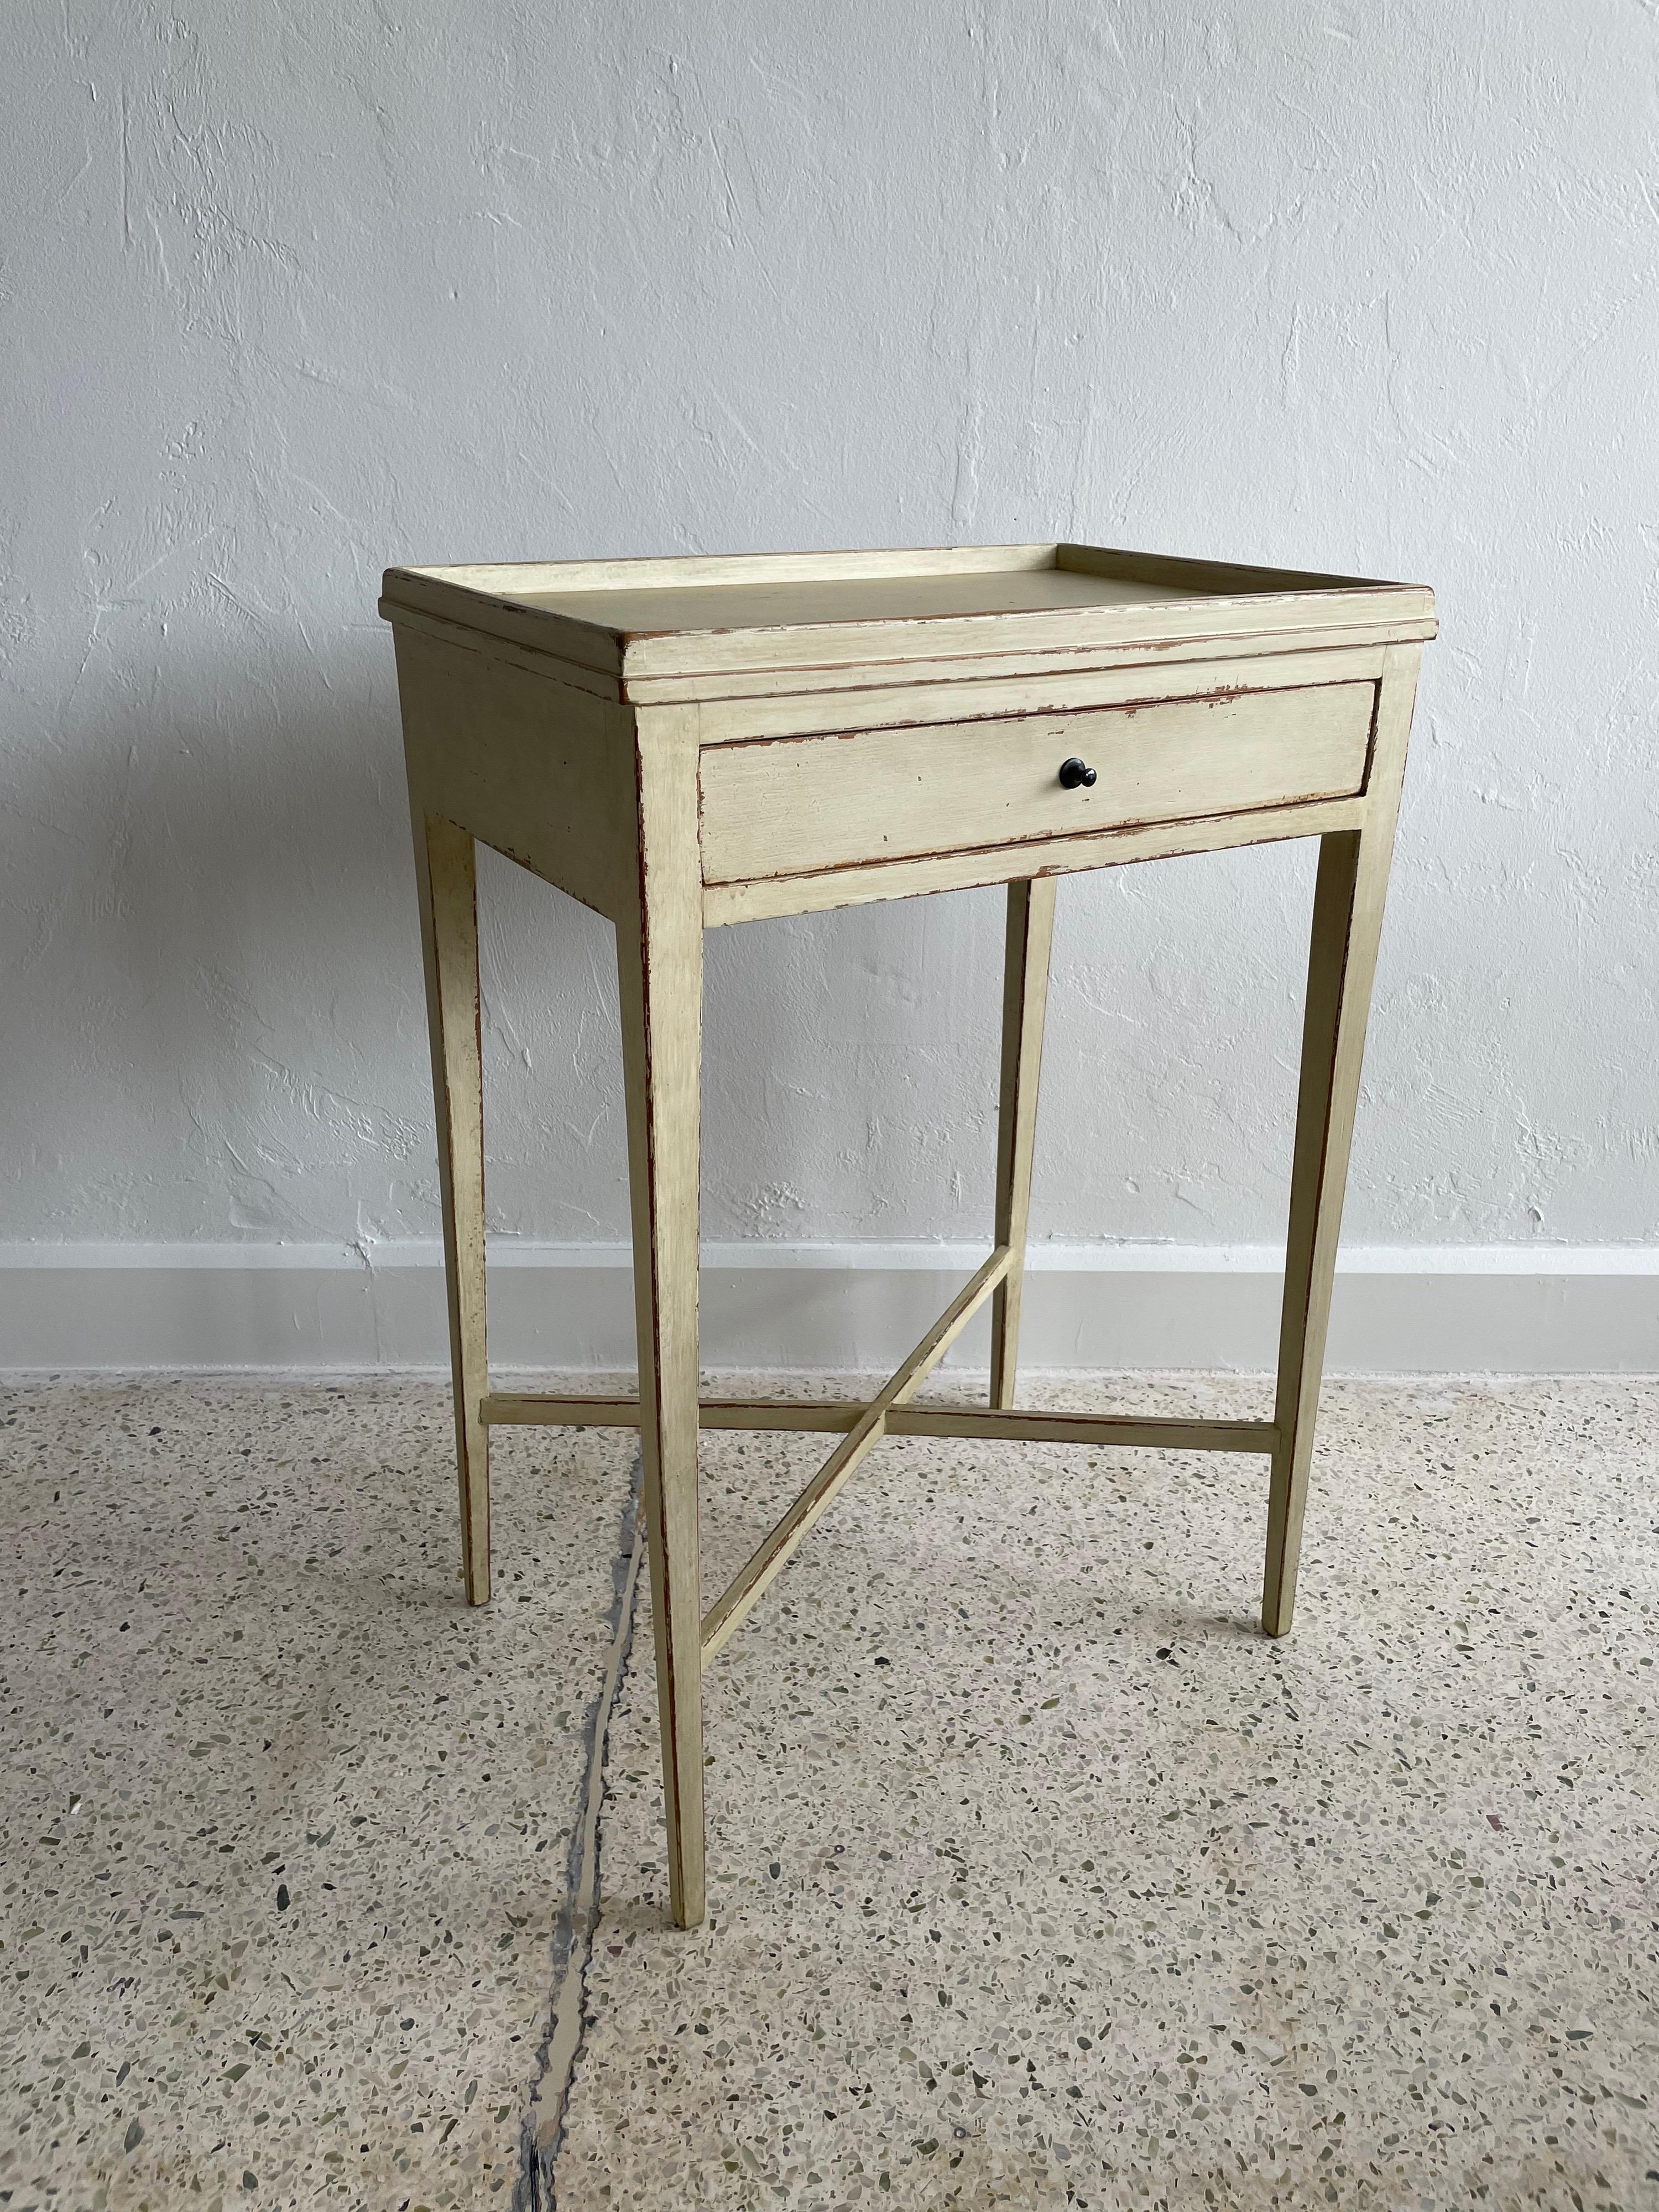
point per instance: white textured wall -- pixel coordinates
(290, 292)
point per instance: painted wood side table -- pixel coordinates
(685, 743)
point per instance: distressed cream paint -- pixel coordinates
(289, 292)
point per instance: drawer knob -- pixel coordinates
(1074, 773)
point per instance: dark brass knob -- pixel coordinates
(1074, 772)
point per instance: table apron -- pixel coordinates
(780, 807)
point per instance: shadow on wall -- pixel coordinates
(214, 950)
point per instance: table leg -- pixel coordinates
(1024, 1000)
(660, 964)
(1354, 872)
(445, 869)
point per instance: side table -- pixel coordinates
(685, 743)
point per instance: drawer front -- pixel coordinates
(788, 807)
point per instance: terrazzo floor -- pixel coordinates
(1037, 1877)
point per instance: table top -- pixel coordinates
(702, 624)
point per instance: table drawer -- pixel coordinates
(785, 806)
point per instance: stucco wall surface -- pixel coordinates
(292, 291)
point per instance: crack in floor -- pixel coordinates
(543, 2127)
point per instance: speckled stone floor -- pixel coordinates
(1037, 1878)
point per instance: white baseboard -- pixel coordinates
(1458, 1310)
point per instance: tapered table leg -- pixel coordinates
(660, 965)
(444, 871)
(1347, 921)
(1024, 1000)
